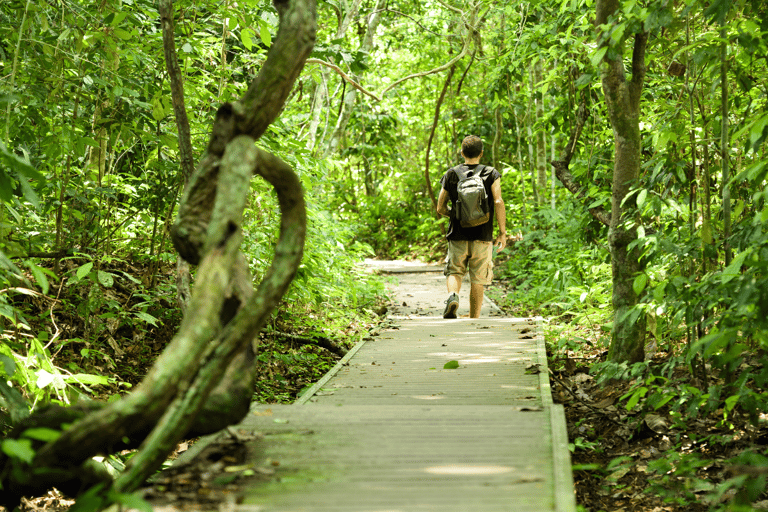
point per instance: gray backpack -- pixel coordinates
(472, 206)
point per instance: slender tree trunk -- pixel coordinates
(622, 98)
(521, 167)
(541, 142)
(531, 153)
(725, 141)
(187, 162)
(497, 138)
(552, 188)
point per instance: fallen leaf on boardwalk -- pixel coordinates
(451, 365)
(533, 369)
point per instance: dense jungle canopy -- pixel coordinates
(630, 136)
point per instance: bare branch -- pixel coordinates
(447, 65)
(451, 8)
(346, 77)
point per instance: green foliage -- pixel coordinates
(554, 266)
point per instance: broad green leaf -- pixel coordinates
(105, 278)
(131, 501)
(245, 37)
(147, 317)
(39, 275)
(641, 198)
(123, 34)
(87, 379)
(117, 19)
(734, 269)
(84, 270)
(19, 449)
(158, 111)
(451, 365)
(264, 34)
(635, 397)
(597, 57)
(639, 284)
(7, 365)
(41, 434)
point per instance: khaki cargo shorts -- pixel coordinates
(476, 255)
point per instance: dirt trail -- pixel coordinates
(418, 290)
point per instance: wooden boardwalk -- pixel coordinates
(390, 429)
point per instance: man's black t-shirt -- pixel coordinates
(483, 232)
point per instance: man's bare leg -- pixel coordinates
(476, 293)
(454, 283)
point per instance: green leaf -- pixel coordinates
(635, 397)
(147, 317)
(131, 501)
(84, 270)
(639, 284)
(8, 365)
(84, 378)
(245, 38)
(641, 198)
(105, 278)
(734, 269)
(41, 434)
(117, 19)
(39, 275)
(597, 58)
(264, 34)
(123, 34)
(451, 365)
(19, 449)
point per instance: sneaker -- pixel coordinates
(451, 305)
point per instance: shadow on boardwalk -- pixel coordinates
(434, 414)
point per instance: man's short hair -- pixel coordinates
(472, 146)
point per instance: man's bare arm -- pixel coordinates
(442, 203)
(501, 214)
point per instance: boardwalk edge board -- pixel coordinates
(308, 394)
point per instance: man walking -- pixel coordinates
(471, 248)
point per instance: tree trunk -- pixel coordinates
(521, 167)
(622, 99)
(725, 141)
(541, 141)
(531, 152)
(186, 158)
(497, 138)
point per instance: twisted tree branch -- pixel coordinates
(563, 172)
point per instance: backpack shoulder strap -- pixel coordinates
(461, 171)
